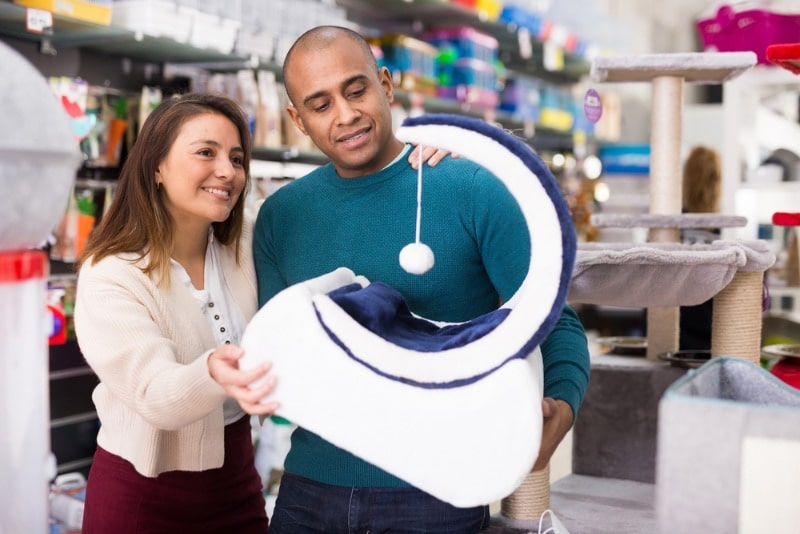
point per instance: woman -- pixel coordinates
(165, 289)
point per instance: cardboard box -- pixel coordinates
(94, 11)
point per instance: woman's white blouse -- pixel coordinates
(223, 316)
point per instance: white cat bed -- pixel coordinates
(453, 409)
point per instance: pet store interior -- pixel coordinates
(671, 129)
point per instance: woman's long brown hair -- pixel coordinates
(137, 220)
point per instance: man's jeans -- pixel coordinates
(305, 507)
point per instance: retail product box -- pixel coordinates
(466, 42)
(556, 105)
(470, 95)
(95, 11)
(411, 61)
(485, 9)
(471, 81)
(625, 159)
(746, 26)
(520, 97)
(728, 454)
(256, 36)
(519, 17)
(469, 72)
(156, 18)
(210, 30)
(489, 9)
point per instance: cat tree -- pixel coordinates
(661, 274)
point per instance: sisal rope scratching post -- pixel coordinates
(736, 323)
(665, 197)
(524, 507)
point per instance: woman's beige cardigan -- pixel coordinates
(158, 407)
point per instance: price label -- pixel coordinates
(524, 43)
(39, 21)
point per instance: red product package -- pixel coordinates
(786, 219)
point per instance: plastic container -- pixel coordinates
(748, 27)
(25, 461)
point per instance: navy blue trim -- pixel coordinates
(426, 385)
(568, 241)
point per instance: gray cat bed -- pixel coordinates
(661, 274)
(719, 466)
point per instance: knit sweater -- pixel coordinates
(482, 250)
(149, 345)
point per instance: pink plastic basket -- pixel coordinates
(732, 30)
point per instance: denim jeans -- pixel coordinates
(304, 507)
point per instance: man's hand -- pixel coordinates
(557, 422)
(429, 154)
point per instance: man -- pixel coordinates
(358, 212)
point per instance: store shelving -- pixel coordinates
(106, 39)
(520, 51)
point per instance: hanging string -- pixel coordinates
(419, 196)
(417, 257)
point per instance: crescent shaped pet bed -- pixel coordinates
(407, 394)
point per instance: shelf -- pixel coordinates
(289, 154)
(112, 40)
(416, 16)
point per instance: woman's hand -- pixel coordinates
(223, 366)
(430, 154)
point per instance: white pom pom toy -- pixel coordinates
(416, 258)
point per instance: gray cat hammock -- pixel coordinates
(662, 274)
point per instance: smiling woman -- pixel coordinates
(165, 289)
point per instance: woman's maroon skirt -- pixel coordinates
(227, 499)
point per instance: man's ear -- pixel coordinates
(385, 77)
(296, 118)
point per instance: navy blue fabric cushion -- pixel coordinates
(382, 310)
